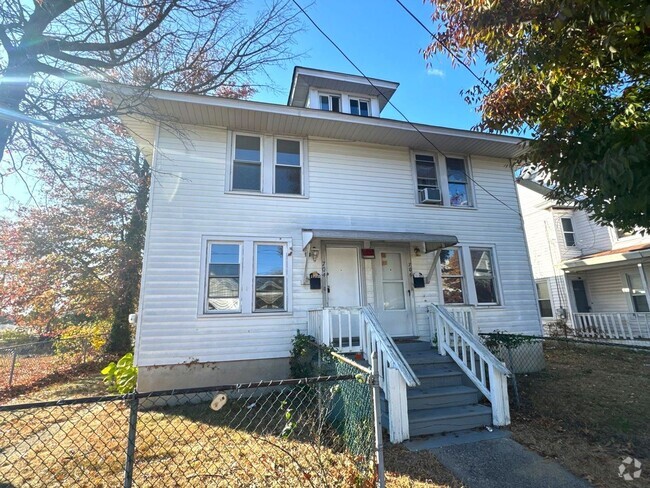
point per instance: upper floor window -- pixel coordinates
(544, 299)
(330, 102)
(484, 278)
(247, 164)
(267, 164)
(427, 180)
(457, 182)
(567, 229)
(360, 107)
(451, 270)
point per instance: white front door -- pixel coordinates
(393, 292)
(343, 285)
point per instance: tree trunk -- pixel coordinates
(128, 283)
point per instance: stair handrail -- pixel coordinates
(496, 390)
(389, 351)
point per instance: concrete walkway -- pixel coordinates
(503, 463)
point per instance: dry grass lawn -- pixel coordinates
(187, 445)
(588, 410)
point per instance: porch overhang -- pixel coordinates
(430, 242)
(608, 259)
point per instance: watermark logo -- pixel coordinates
(630, 469)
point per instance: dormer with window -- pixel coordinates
(339, 92)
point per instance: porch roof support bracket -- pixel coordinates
(436, 256)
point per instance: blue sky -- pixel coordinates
(385, 42)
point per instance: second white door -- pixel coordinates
(392, 292)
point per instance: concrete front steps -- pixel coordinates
(446, 401)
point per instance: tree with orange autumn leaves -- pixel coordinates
(576, 73)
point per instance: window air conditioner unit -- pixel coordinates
(430, 195)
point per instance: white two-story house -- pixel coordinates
(594, 277)
(321, 216)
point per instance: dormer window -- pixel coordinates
(360, 107)
(331, 103)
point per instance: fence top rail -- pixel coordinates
(47, 341)
(477, 345)
(176, 392)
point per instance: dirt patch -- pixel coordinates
(406, 469)
(589, 409)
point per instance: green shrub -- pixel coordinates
(121, 377)
(305, 356)
(86, 338)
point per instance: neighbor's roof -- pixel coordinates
(611, 257)
(303, 78)
(245, 115)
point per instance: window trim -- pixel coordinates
(247, 274)
(231, 159)
(301, 166)
(462, 276)
(268, 155)
(443, 180)
(359, 100)
(329, 102)
(256, 244)
(495, 274)
(626, 278)
(545, 282)
(565, 232)
(206, 286)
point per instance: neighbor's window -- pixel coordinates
(567, 229)
(624, 233)
(247, 164)
(544, 299)
(288, 173)
(331, 103)
(269, 278)
(637, 293)
(359, 107)
(483, 274)
(224, 271)
(452, 276)
(457, 183)
(427, 180)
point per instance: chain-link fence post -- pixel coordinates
(14, 353)
(515, 386)
(130, 447)
(376, 404)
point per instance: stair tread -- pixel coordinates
(432, 414)
(436, 370)
(440, 390)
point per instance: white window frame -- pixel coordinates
(257, 243)
(247, 275)
(565, 232)
(329, 102)
(462, 276)
(269, 157)
(545, 282)
(626, 278)
(495, 274)
(359, 100)
(276, 164)
(443, 180)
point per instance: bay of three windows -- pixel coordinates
(254, 156)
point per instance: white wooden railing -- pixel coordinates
(612, 325)
(485, 370)
(464, 315)
(357, 329)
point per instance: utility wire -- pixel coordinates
(424, 136)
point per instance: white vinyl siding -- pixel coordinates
(188, 210)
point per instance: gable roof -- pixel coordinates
(260, 117)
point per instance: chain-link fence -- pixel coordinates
(523, 354)
(315, 432)
(23, 365)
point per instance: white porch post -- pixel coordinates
(327, 327)
(398, 413)
(644, 282)
(499, 400)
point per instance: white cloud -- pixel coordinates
(436, 72)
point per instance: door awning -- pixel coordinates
(431, 242)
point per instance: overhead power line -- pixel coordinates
(406, 119)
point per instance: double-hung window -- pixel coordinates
(567, 230)
(288, 170)
(451, 270)
(427, 180)
(360, 107)
(247, 163)
(544, 299)
(457, 183)
(483, 274)
(247, 276)
(637, 293)
(224, 273)
(331, 103)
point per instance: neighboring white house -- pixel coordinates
(594, 276)
(250, 201)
